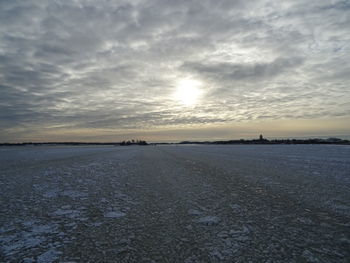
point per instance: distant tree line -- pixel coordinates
(133, 142)
(262, 140)
(123, 143)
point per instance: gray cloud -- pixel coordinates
(242, 71)
(115, 65)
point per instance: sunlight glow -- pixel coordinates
(188, 91)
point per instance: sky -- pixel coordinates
(171, 70)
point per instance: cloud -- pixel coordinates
(115, 65)
(242, 71)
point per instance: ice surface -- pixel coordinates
(67, 213)
(114, 214)
(209, 220)
(73, 194)
(194, 212)
(49, 256)
(214, 203)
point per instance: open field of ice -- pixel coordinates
(239, 203)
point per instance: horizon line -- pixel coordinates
(324, 138)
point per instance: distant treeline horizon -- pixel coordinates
(261, 140)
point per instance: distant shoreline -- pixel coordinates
(333, 141)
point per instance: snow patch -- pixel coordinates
(73, 194)
(235, 207)
(114, 214)
(74, 214)
(209, 220)
(194, 212)
(50, 194)
(310, 257)
(49, 256)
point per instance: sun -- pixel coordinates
(188, 91)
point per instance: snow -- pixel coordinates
(209, 220)
(114, 214)
(194, 212)
(208, 203)
(67, 213)
(49, 256)
(309, 257)
(73, 194)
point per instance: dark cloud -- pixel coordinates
(242, 71)
(115, 64)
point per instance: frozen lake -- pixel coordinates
(239, 203)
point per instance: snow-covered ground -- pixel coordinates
(239, 203)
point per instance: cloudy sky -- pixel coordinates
(101, 70)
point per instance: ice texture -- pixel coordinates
(189, 203)
(114, 214)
